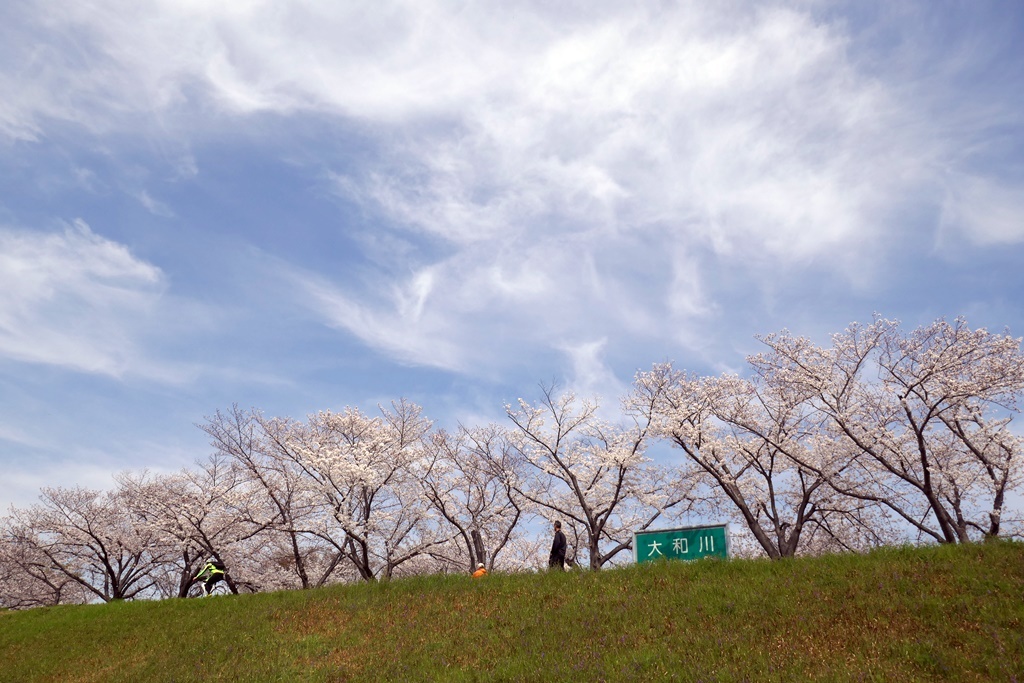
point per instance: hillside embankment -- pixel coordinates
(906, 614)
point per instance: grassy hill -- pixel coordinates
(909, 614)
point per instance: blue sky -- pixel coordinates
(301, 206)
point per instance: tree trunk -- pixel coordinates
(478, 546)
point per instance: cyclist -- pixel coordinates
(212, 572)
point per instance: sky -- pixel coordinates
(301, 206)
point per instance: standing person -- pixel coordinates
(480, 571)
(557, 558)
(212, 572)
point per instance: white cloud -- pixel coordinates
(73, 299)
(724, 113)
(154, 206)
(396, 325)
(573, 164)
(540, 181)
(591, 376)
(21, 437)
(89, 467)
(988, 212)
(750, 135)
(486, 308)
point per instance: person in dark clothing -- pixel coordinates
(557, 558)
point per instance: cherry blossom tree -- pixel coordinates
(362, 470)
(93, 538)
(879, 437)
(466, 478)
(763, 450)
(210, 512)
(27, 576)
(260, 448)
(926, 416)
(155, 500)
(592, 475)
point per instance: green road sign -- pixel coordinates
(686, 543)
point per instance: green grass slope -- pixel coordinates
(909, 614)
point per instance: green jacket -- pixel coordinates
(210, 571)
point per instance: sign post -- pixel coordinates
(685, 543)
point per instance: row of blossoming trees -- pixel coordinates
(883, 437)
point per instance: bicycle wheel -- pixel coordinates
(219, 588)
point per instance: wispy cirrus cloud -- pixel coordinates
(987, 211)
(504, 191)
(584, 172)
(73, 298)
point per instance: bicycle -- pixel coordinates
(219, 588)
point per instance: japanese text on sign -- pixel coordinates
(688, 543)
